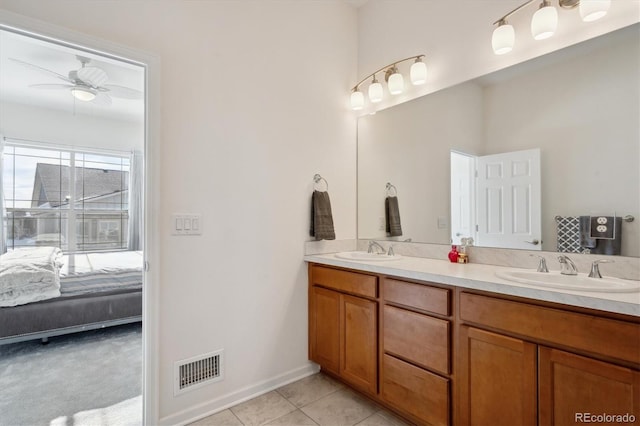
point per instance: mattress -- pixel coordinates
(100, 272)
(97, 289)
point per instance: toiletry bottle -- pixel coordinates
(453, 254)
(463, 256)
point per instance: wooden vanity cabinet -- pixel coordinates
(523, 363)
(440, 355)
(343, 325)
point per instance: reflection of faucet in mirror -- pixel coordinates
(595, 270)
(374, 245)
(567, 265)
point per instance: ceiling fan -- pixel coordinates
(88, 83)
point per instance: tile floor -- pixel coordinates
(314, 400)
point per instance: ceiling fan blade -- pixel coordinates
(123, 92)
(102, 99)
(92, 76)
(35, 67)
(51, 86)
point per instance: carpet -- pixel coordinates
(92, 378)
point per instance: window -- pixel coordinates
(77, 201)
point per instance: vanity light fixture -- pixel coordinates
(393, 78)
(544, 21)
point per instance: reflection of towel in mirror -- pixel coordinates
(605, 245)
(321, 217)
(585, 229)
(392, 214)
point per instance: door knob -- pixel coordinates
(534, 242)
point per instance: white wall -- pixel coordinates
(584, 115)
(456, 37)
(252, 106)
(62, 127)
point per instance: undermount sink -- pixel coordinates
(363, 255)
(580, 282)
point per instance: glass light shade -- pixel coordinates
(418, 73)
(375, 92)
(590, 10)
(357, 100)
(503, 39)
(396, 84)
(544, 22)
(83, 94)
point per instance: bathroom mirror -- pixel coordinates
(579, 107)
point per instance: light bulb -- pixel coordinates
(544, 21)
(357, 100)
(591, 10)
(418, 72)
(375, 91)
(396, 83)
(503, 38)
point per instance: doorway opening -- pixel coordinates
(72, 149)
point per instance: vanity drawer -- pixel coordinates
(419, 296)
(603, 336)
(417, 338)
(345, 281)
(415, 391)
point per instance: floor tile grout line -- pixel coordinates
(236, 416)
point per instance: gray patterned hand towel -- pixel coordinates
(392, 214)
(321, 217)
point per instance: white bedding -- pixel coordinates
(29, 275)
(93, 263)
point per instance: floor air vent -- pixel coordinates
(198, 371)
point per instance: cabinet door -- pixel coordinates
(573, 388)
(324, 330)
(359, 343)
(497, 379)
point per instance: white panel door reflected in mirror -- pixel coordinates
(495, 199)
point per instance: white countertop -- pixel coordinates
(483, 277)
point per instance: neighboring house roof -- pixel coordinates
(51, 184)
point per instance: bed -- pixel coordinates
(44, 293)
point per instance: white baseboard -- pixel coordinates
(229, 400)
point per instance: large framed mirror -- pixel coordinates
(579, 108)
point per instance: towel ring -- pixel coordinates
(317, 178)
(389, 188)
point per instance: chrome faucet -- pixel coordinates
(378, 248)
(567, 266)
(595, 270)
(542, 265)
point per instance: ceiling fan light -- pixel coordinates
(591, 10)
(544, 21)
(84, 94)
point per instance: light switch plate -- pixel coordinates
(186, 224)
